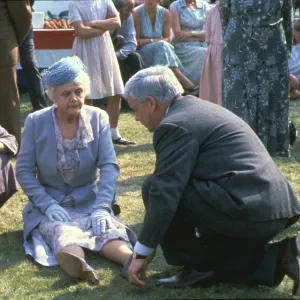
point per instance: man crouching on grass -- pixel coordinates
(215, 199)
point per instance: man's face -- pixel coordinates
(127, 11)
(144, 113)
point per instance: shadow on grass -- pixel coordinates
(25, 108)
(148, 147)
(295, 149)
(132, 184)
(136, 227)
(125, 290)
(11, 249)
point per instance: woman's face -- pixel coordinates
(151, 3)
(69, 99)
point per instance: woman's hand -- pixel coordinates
(3, 148)
(57, 213)
(87, 24)
(110, 15)
(183, 35)
(100, 220)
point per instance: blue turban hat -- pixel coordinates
(63, 71)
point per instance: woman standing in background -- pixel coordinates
(92, 21)
(15, 21)
(188, 22)
(153, 25)
(257, 38)
(211, 78)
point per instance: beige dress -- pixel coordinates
(211, 78)
(97, 53)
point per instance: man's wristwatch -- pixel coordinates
(138, 256)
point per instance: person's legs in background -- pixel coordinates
(112, 105)
(31, 72)
(130, 65)
(188, 86)
(9, 95)
(8, 181)
(89, 102)
(113, 110)
(294, 93)
(135, 61)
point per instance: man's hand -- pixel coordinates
(137, 271)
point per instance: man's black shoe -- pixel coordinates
(116, 209)
(188, 277)
(290, 263)
(123, 142)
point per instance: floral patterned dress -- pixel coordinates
(257, 38)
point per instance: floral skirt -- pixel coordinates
(61, 234)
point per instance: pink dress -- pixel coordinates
(211, 78)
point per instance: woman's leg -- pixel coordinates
(184, 81)
(117, 251)
(72, 261)
(113, 110)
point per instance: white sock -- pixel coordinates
(115, 133)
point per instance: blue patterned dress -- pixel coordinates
(257, 37)
(191, 54)
(157, 53)
(52, 236)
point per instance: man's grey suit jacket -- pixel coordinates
(205, 153)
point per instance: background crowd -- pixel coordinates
(245, 77)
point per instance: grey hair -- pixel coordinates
(82, 79)
(158, 82)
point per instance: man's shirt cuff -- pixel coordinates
(142, 249)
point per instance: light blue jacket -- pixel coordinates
(37, 167)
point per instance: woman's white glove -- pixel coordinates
(100, 220)
(57, 213)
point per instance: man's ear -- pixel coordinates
(151, 102)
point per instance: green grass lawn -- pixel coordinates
(22, 279)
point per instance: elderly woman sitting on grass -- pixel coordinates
(63, 148)
(8, 182)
